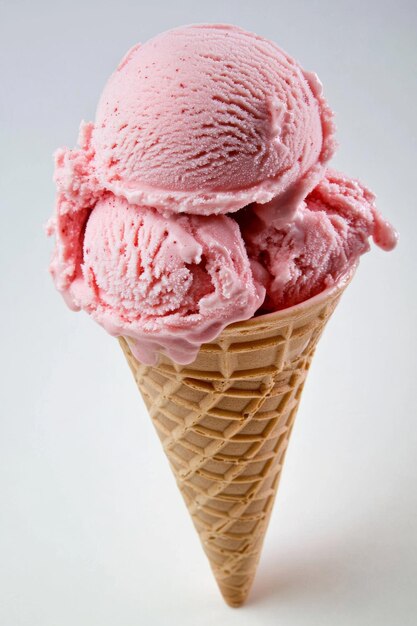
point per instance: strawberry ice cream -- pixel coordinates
(166, 283)
(200, 196)
(329, 232)
(77, 193)
(205, 119)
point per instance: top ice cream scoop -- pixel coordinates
(205, 119)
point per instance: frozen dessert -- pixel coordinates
(205, 119)
(171, 282)
(329, 231)
(200, 195)
(199, 222)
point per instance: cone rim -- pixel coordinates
(297, 309)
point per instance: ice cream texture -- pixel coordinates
(167, 283)
(205, 119)
(201, 196)
(328, 233)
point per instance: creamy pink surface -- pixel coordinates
(200, 122)
(206, 119)
(326, 237)
(77, 192)
(168, 283)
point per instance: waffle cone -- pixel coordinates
(225, 421)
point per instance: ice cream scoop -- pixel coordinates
(326, 237)
(205, 119)
(168, 284)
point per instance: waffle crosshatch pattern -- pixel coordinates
(225, 421)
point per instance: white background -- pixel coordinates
(92, 528)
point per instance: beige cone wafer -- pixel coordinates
(225, 421)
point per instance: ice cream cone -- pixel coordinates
(225, 421)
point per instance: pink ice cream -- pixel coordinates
(326, 237)
(77, 193)
(200, 195)
(169, 284)
(205, 119)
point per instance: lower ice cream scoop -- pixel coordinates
(329, 232)
(167, 283)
